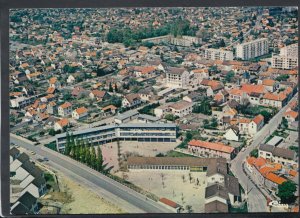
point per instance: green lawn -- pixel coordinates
(177, 154)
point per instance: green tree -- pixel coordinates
(99, 163)
(286, 192)
(93, 157)
(52, 132)
(170, 117)
(254, 153)
(229, 76)
(267, 115)
(110, 89)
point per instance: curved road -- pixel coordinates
(256, 201)
(120, 193)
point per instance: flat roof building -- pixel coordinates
(252, 49)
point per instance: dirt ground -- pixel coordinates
(76, 199)
(173, 187)
(147, 149)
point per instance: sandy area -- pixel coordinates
(173, 187)
(147, 149)
(84, 201)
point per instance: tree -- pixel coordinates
(222, 43)
(254, 153)
(189, 208)
(267, 115)
(52, 132)
(170, 117)
(286, 192)
(93, 157)
(229, 76)
(284, 122)
(99, 163)
(110, 89)
(116, 88)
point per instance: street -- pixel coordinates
(119, 194)
(256, 201)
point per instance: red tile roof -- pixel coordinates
(212, 146)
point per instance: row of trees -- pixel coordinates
(129, 37)
(85, 152)
(203, 107)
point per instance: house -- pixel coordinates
(243, 124)
(98, 95)
(274, 100)
(232, 134)
(65, 109)
(256, 124)
(177, 77)
(213, 86)
(131, 100)
(211, 149)
(181, 108)
(26, 204)
(78, 91)
(109, 109)
(146, 94)
(161, 110)
(61, 124)
(200, 74)
(54, 83)
(71, 79)
(80, 113)
(192, 97)
(52, 108)
(277, 155)
(291, 116)
(146, 72)
(270, 84)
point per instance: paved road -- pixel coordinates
(256, 201)
(120, 193)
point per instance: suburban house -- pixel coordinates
(277, 155)
(65, 109)
(98, 95)
(211, 149)
(256, 124)
(131, 100)
(80, 113)
(213, 86)
(59, 125)
(177, 77)
(275, 100)
(266, 174)
(109, 109)
(291, 116)
(232, 134)
(181, 108)
(54, 83)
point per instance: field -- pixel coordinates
(175, 186)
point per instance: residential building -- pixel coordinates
(218, 54)
(256, 124)
(211, 149)
(131, 100)
(61, 124)
(232, 134)
(252, 49)
(80, 113)
(277, 155)
(181, 108)
(65, 109)
(177, 77)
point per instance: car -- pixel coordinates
(46, 159)
(37, 143)
(243, 149)
(32, 152)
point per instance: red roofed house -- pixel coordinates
(59, 125)
(99, 95)
(65, 109)
(291, 116)
(80, 113)
(54, 83)
(275, 100)
(211, 149)
(256, 124)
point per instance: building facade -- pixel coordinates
(218, 54)
(252, 49)
(144, 132)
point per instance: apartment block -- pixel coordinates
(252, 49)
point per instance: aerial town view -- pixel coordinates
(154, 110)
